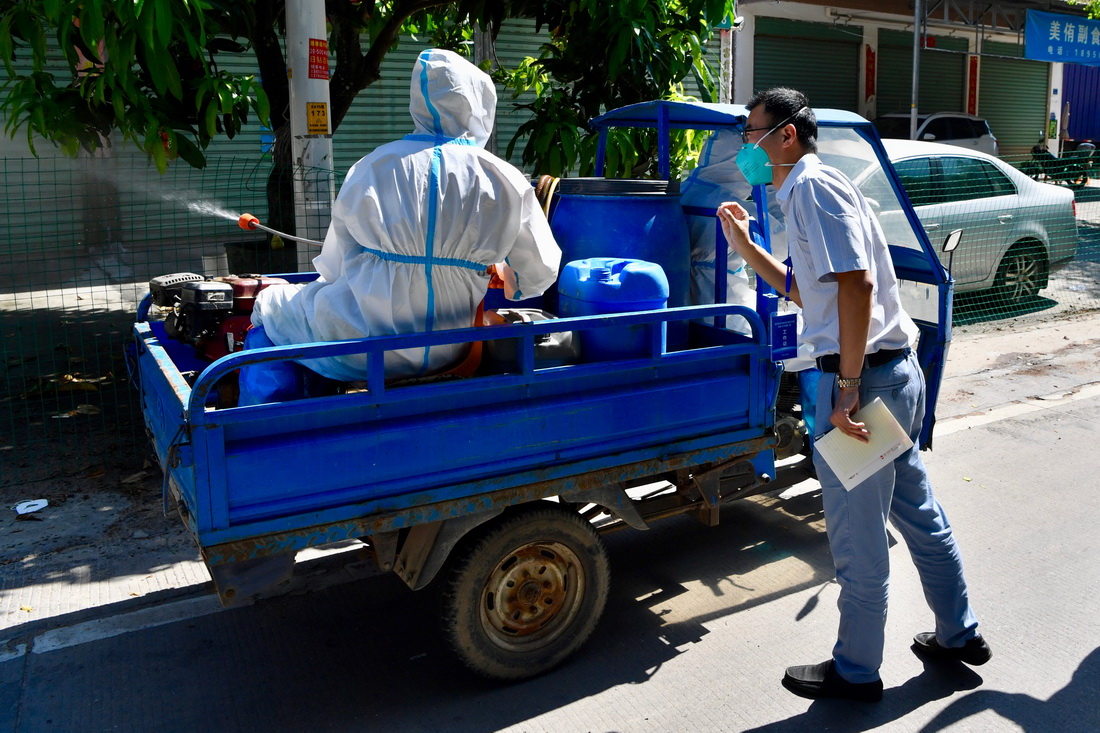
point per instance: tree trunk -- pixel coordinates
(280, 183)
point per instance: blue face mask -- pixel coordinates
(754, 163)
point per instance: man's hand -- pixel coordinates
(847, 404)
(735, 225)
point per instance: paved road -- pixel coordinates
(701, 622)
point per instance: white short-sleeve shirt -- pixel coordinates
(831, 229)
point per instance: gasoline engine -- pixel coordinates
(212, 315)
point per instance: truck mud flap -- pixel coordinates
(238, 582)
(428, 546)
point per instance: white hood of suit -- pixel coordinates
(450, 97)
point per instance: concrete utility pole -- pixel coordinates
(725, 91)
(725, 56)
(918, 15)
(310, 129)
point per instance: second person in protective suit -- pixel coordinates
(415, 228)
(713, 181)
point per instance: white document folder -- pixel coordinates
(852, 460)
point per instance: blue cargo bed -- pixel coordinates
(308, 471)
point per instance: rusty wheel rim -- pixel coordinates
(532, 595)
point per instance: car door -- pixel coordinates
(964, 134)
(970, 194)
(937, 129)
(984, 141)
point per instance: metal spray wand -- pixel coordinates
(251, 223)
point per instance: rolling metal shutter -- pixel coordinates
(1013, 97)
(818, 59)
(942, 75)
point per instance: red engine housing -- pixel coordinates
(247, 287)
(227, 339)
(229, 334)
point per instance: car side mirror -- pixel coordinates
(927, 136)
(952, 240)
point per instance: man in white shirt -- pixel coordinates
(842, 277)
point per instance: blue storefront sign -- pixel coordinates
(1065, 38)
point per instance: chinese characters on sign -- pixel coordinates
(316, 118)
(318, 58)
(1065, 38)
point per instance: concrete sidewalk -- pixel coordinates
(102, 553)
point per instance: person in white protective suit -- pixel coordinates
(416, 226)
(714, 180)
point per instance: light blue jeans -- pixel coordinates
(856, 525)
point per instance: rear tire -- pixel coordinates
(1021, 274)
(524, 592)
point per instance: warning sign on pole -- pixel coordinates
(318, 58)
(316, 118)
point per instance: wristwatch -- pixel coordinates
(845, 383)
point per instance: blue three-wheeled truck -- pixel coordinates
(499, 485)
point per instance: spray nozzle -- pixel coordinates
(249, 223)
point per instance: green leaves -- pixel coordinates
(91, 25)
(159, 86)
(190, 153)
(164, 21)
(138, 67)
(604, 54)
(262, 106)
(1091, 6)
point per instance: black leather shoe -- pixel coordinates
(973, 652)
(817, 681)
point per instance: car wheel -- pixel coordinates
(1022, 274)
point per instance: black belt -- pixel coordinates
(830, 363)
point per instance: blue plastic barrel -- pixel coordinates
(629, 219)
(605, 285)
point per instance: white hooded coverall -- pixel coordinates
(415, 226)
(714, 181)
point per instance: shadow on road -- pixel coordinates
(1071, 709)
(365, 655)
(937, 681)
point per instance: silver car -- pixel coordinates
(1015, 230)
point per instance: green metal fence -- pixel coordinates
(1031, 242)
(81, 240)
